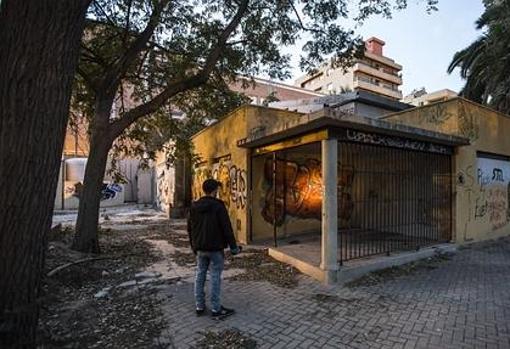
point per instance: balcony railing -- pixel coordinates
(380, 73)
(361, 82)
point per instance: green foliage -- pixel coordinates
(485, 63)
(147, 63)
(271, 97)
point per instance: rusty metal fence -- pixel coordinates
(391, 199)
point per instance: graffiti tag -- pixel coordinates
(237, 186)
(396, 142)
(108, 190)
(295, 189)
(234, 182)
(493, 203)
(481, 208)
(497, 175)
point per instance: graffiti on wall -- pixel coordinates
(233, 181)
(437, 115)
(165, 181)
(108, 190)
(468, 123)
(221, 172)
(492, 205)
(396, 142)
(163, 189)
(465, 180)
(200, 174)
(297, 191)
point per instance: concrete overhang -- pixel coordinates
(335, 101)
(328, 119)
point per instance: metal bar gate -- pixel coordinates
(391, 199)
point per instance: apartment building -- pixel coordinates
(374, 73)
(420, 97)
(263, 91)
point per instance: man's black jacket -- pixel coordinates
(209, 225)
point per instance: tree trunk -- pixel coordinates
(86, 237)
(40, 46)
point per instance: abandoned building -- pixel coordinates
(163, 185)
(324, 186)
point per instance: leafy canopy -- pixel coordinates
(485, 63)
(142, 60)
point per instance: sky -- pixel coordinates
(422, 43)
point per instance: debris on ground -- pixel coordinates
(96, 302)
(184, 259)
(112, 300)
(383, 275)
(327, 298)
(259, 266)
(226, 339)
(172, 233)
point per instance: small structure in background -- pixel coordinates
(137, 186)
(162, 185)
(361, 103)
(420, 97)
(374, 73)
(263, 92)
(326, 187)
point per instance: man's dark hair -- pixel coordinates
(210, 185)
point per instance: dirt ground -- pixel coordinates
(113, 300)
(123, 297)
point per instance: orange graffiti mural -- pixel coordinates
(298, 191)
(200, 175)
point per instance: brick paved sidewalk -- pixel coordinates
(465, 303)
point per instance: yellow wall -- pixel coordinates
(221, 158)
(76, 142)
(481, 206)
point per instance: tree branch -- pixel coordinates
(104, 13)
(91, 55)
(301, 24)
(184, 84)
(216, 52)
(128, 18)
(119, 68)
(89, 81)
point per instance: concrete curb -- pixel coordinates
(349, 273)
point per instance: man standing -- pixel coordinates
(210, 232)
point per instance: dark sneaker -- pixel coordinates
(223, 313)
(200, 312)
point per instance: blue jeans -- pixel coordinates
(214, 259)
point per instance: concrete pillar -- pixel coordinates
(329, 231)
